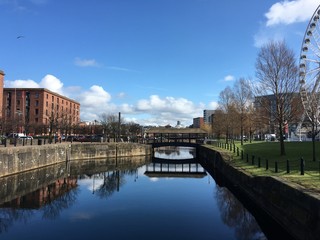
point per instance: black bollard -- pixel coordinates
(267, 164)
(259, 162)
(302, 166)
(275, 166)
(288, 167)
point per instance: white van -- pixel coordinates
(16, 135)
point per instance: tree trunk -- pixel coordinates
(314, 133)
(282, 148)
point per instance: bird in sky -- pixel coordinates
(20, 37)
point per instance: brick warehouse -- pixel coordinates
(36, 110)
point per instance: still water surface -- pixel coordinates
(124, 199)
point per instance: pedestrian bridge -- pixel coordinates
(184, 137)
(174, 144)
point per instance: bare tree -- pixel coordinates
(133, 130)
(225, 105)
(218, 123)
(111, 125)
(242, 95)
(277, 75)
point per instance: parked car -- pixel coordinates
(26, 137)
(16, 135)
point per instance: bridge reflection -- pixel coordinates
(180, 168)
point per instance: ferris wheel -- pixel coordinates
(310, 69)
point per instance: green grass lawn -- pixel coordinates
(272, 164)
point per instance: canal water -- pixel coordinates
(168, 197)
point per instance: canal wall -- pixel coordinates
(20, 159)
(292, 206)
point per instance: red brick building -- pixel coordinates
(29, 107)
(198, 122)
(36, 110)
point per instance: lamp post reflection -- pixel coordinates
(93, 183)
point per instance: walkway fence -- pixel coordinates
(298, 165)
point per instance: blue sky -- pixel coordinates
(155, 61)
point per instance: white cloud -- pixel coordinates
(213, 105)
(168, 104)
(94, 102)
(289, 12)
(86, 62)
(21, 84)
(229, 78)
(52, 83)
(49, 81)
(96, 95)
(281, 20)
(126, 108)
(168, 110)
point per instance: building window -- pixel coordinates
(36, 111)
(47, 104)
(47, 96)
(36, 95)
(37, 103)
(36, 120)
(52, 98)
(18, 102)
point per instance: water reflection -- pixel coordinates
(52, 189)
(175, 153)
(51, 192)
(236, 216)
(50, 200)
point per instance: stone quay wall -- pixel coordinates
(292, 206)
(20, 159)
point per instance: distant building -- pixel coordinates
(179, 125)
(207, 116)
(198, 122)
(266, 108)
